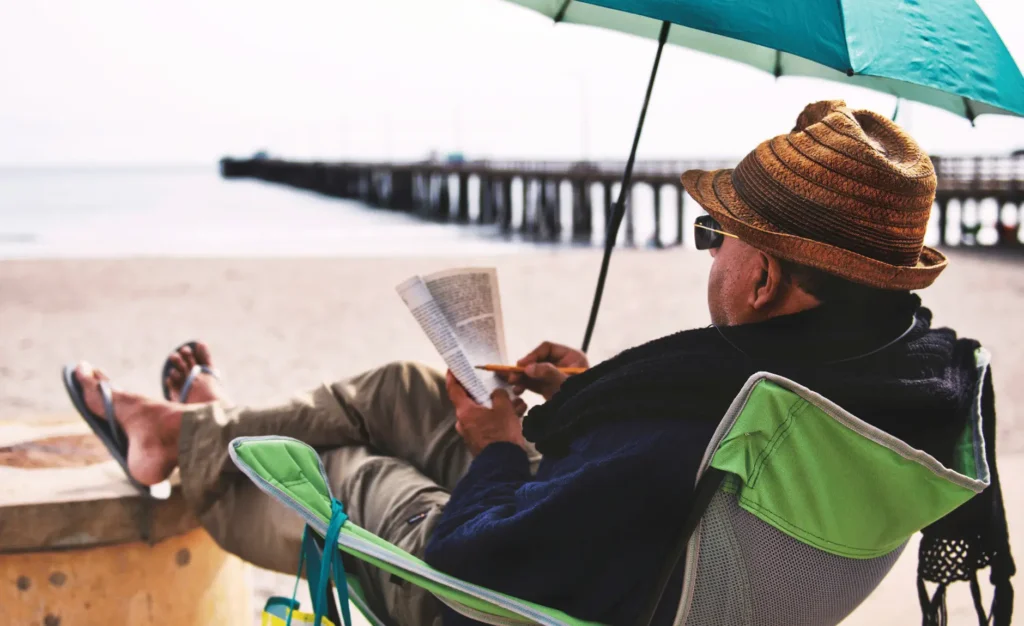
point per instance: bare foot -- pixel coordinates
(205, 388)
(152, 426)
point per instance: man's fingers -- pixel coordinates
(542, 371)
(541, 352)
(512, 378)
(456, 392)
(500, 400)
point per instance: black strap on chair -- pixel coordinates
(708, 484)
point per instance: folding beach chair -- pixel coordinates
(802, 511)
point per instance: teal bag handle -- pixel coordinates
(320, 571)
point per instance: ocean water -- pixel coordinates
(192, 212)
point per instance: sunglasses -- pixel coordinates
(708, 233)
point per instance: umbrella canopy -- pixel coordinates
(945, 53)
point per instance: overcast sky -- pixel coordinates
(124, 82)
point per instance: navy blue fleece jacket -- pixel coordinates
(597, 519)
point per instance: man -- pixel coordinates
(817, 238)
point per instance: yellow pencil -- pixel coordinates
(513, 369)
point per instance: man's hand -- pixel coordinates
(480, 426)
(542, 375)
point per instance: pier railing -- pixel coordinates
(979, 201)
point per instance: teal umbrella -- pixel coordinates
(945, 53)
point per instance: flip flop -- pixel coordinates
(190, 379)
(107, 429)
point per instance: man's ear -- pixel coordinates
(768, 287)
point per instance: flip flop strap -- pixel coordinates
(191, 378)
(116, 434)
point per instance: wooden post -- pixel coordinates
(401, 190)
(319, 175)
(330, 187)
(372, 189)
(506, 204)
(582, 215)
(680, 193)
(354, 188)
(432, 195)
(427, 204)
(417, 191)
(943, 216)
(496, 195)
(656, 238)
(1007, 234)
(485, 213)
(553, 215)
(539, 202)
(524, 222)
(444, 197)
(607, 206)
(630, 232)
(463, 196)
(543, 216)
(348, 184)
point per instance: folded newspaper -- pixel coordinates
(460, 312)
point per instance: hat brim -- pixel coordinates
(714, 191)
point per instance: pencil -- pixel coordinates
(513, 369)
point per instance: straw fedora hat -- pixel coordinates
(847, 192)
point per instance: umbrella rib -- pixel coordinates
(619, 211)
(846, 41)
(561, 11)
(968, 111)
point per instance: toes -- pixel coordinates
(176, 374)
(89, 378)
(83, 373)
(175, 377)
(202, 354)
(177, 364)
(182, 362)
(86, 373)
(188, 357)
(174, 380)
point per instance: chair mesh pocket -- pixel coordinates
(750, 573)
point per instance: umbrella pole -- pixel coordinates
(619, 211)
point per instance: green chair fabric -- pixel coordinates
(800, 470)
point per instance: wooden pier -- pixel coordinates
(980, 200)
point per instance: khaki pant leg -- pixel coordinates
(399, 410)
(414, 420)
(395, 501)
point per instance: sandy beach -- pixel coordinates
(277, 326)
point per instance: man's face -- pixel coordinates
(733, 280)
